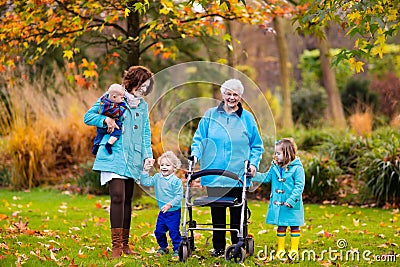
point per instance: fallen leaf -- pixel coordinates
(15, 213)
(72, 264)
(52, 256)
(151, 250)
(327, 234)
(80, 254)
(21, 226)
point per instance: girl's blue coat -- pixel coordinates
(224, 141)
(292, 183)
(131, 149)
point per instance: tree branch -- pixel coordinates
(114, 25)
(194, 19)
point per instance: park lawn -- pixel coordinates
(44, 227)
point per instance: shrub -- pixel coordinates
(308, 105)
(380, 167)
(321, 183)
(361, 122)
(346, 149)
(89, 181)
(43, 128)
(312, 139)
(388, 89)
(358, 95)
(4, 172)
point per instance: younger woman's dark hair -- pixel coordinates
(135, 76)
(289, 150)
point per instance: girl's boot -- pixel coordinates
(125, 242)
(116, 240)
(294, 240)
(280, 253)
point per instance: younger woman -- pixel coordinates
(286, 175)
(120, 169)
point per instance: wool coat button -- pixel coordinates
(135, 127)
(137, 114)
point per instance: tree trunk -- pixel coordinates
(286, 120)
(133, 59)
(133, 31)
(335, 107)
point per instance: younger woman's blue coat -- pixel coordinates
(131, 149)
(286, 187)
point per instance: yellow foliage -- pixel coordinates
(68, 54)
(273, 103)
(356, 65)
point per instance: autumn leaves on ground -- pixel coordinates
(53, 228)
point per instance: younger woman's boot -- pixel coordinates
(125, 242)
(116, 240)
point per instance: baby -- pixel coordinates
(112, 104)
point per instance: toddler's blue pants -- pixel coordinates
(169, 221)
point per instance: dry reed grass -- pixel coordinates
(395, 123)
(361, 122)
(41, 122)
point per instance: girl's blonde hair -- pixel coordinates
(172, 158)
(289, 150)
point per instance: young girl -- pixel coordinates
(169, 193)
(286, 175)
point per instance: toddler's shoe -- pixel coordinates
(175, 254)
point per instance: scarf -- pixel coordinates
(132, 100)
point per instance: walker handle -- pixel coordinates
(247, 168)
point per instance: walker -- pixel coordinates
(245, 245)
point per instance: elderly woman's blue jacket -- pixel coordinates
(287, 185)
(224, 141)
(131, 149)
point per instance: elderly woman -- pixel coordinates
(120, 169)
(226, 136)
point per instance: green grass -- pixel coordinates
(63, 229)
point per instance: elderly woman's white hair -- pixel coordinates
(233, 85)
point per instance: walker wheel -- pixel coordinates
(250, 246)
(238, 258)
(183, 251)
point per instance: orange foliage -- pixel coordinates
(361, 122)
